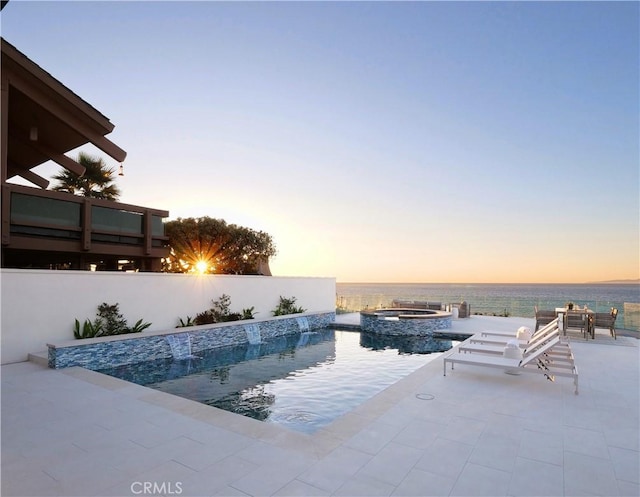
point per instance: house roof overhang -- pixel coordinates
(42, 119)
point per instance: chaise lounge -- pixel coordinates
(487, 343)
(550, 357)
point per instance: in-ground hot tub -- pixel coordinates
(404, 322)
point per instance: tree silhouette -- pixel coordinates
(212, 246)
(97, 181)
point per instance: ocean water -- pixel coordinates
(498, 299)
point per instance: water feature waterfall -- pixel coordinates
(180, 346)
(303, 323)
(304, 338)
(253, 333)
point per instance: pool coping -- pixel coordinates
(317, 444)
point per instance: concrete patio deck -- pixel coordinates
(474, 432)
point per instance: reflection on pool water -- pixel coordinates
(302, 382)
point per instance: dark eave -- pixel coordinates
(33, 99)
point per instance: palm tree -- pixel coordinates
(97, 181)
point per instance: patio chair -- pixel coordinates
(543, 317)
(488, 344)
(551, 358)
(464, 310)
(606, 320)
(576, 321)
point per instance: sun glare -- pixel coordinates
(202, 266)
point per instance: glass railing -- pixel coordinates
(118, 221)
(628, 312)
(32, 210)
(50, 214)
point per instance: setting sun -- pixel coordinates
(202, 266)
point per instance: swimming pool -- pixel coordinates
(302, 381)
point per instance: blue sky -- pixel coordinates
(375, 141)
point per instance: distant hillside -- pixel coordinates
(615, 282)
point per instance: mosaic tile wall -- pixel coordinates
(140, 348)
(404, 327)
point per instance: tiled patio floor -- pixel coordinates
(77, 433)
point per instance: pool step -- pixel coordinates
(41, 358)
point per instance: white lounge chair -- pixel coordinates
(551, 358)
(495, 345)
(513, 334)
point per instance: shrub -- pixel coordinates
(220, 309)
(112, 321)
(287, 306)
(233, 316)
(108, 322)
(220, 312)
(205, 317)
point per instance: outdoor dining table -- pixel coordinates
(586, 315)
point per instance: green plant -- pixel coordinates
(220, 312)
(108, 322)
(97, 181)
(138, 327)
(233, 316)
(220, 309)
(248, 313)
(205, 317)
(113, 322)
(184, 324)
(89, 329)
(287, 306)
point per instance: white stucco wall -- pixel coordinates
(41, 306)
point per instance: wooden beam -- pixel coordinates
(6, 214)
(61, 159)
(148, 228)
(36, 179)
(108, 147)
(4, 128)
(86, 224)
(27, 242)
(47, 151)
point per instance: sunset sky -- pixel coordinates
(375, 141)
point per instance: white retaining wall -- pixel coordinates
(40, 306)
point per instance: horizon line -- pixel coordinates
(604, 282)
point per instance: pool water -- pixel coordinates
(302, 382)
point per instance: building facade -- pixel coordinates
(42, 120)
